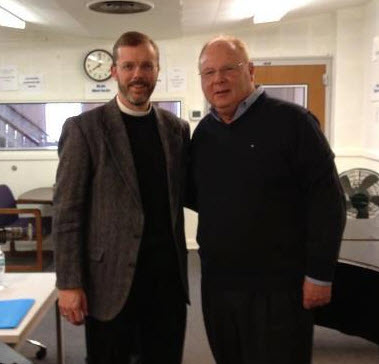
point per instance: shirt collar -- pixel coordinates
(243, 106)
(131, 112)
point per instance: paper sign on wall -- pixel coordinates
(100, 90)
(32, 83)
(8, 78)
(177, 79)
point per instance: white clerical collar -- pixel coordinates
(128, 111)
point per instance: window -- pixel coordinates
(55, 116)
(292, 93)
(39, 125)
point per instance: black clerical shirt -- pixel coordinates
(157, 246)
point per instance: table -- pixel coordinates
(41, 287)
(364, 253)
(42, 195)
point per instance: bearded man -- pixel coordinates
(118, 221)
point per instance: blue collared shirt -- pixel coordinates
(243, 106)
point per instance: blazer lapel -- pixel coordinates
(117, 140)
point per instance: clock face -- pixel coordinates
(97, 65)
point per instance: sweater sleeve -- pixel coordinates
(323, 197)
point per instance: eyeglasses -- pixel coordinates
(145, 67)
(228, 70)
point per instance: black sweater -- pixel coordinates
(268, 196)
(157, 251)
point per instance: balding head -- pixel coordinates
(235, 45)
(227, 76)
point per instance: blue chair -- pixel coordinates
(40, 226)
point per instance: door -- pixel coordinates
(310, 75)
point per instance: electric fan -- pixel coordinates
(361, 188)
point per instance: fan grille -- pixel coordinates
(361, 187)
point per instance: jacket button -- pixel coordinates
(137, 236)
(132, 265)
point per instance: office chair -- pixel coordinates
(40, 227)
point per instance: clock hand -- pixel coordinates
(96, 66)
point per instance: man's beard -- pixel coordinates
(141, 98)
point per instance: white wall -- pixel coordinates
(371, 75)
(346, 36)
(23, 171)
(348, 95)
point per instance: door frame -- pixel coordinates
(293, 61)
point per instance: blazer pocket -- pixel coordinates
(96, 254)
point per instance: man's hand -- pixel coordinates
(315, 295)
(73, 305)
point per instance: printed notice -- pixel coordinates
(177, 79)
(102, 91)
(32, 83)
(8, 78)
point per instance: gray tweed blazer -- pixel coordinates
(98, 216)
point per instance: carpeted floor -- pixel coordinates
(330, 347)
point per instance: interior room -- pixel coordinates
(42, 76)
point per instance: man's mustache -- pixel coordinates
(138, 83)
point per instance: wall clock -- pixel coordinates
(97, 65)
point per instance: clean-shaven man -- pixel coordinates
(271, 214)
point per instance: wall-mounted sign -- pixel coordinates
(177, 79)
(8, 78)
(103, 91)
(31, 83)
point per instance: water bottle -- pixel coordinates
(2, 269)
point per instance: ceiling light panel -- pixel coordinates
(263, 11)
(7, 19)
(23, 9)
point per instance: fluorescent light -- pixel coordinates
(274, 10)
(241, 9)
(21, 11)
(263, 11)
(267, 16)
(7, 19)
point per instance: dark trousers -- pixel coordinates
(250, 327)
(149, 329)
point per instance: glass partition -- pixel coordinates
(39, 125)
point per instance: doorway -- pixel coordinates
(310, 77)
